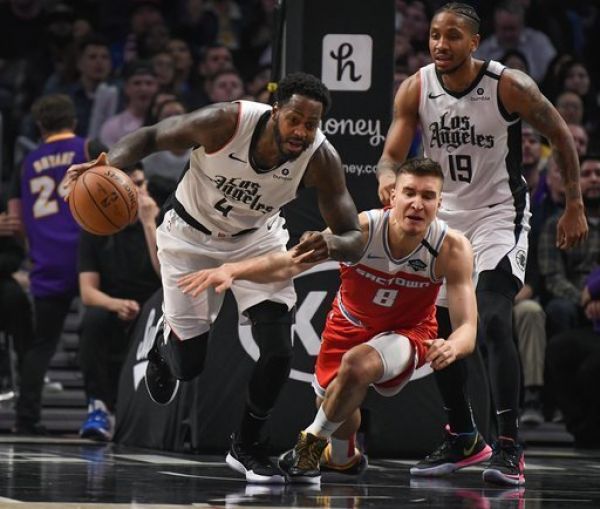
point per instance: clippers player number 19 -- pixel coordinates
(469, 113)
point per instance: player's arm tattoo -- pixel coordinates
(543, 117)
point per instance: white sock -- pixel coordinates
(342, 451)
(321, 426)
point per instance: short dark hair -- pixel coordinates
(466, 11)
(54, 112)
(92, 39)
(590, 156)
(421, 167)
(303, 84)
(138, 68)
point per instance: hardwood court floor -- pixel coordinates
(71, 473)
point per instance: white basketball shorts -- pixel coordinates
(494, 232)
(182, 249)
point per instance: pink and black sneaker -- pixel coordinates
(507, 465)
(456, 452)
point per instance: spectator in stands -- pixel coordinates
(167, 163)
(94, 66)
(415, 24)
(564, 272)
(581, 138)
(52, 235)
(163, 64)
(140, 87)
(528, 313)
(214, 58)
(574, 359)
(229, 23)
(570, 107)
(144, 15)
(574, 77)
(258, 27)
(515, 59)
(154, 40)
(196, 24)
(574, 355)
(402, 48)
(16, 317)
(510, 32)
(225, 86)
(117, 274)
(60, 48)
(185, 81)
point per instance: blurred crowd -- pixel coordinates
(125, 64)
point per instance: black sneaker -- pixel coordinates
(456, 452)
(354, 468)
(253, 461)
(507, 465)
(161, 384)
(301, 464)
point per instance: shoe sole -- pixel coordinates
(96, 435)
(250, 475)
(165, 403)
(447, 468)
(297, 479)
(497, 477)
(330, 471)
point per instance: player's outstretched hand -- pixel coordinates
(386, 184)
(194, 284)
(75, 170)
(313, 247)
(440, 354)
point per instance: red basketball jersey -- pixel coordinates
(383, 293)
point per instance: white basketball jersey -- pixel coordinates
(226, 194)
(474, 139)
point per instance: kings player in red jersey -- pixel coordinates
(382, 325)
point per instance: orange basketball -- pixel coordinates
(103, 200)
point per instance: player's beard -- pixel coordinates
(453, 69)
(279, 141)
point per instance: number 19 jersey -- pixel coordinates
(474, 139)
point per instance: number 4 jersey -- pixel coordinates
(474, 139)
(381, 293)
(224, 192)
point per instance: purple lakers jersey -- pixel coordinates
(52, 233)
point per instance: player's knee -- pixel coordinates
(188, 357)
(272, 329)
(353, 370)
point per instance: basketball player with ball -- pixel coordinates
(248, 160)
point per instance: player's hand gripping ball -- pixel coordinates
(103, 200)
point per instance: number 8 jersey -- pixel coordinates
(381, 293)
(474, 139)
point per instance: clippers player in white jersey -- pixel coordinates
(247, 161)
(382, 325)
(469, 113)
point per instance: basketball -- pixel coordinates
(103, 200)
